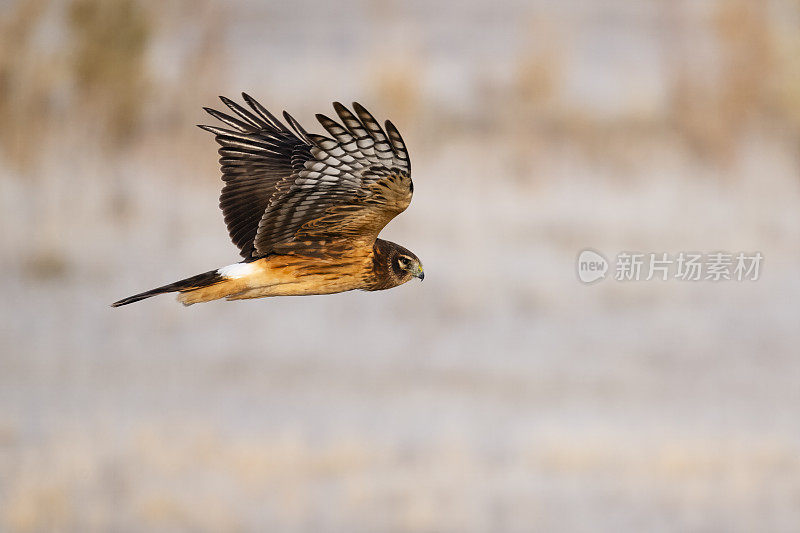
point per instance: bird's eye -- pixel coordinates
(402, 263)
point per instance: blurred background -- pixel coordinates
(499, 395)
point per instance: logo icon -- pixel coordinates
(591, 266)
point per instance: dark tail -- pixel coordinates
(195, 282)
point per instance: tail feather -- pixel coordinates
(195, 282)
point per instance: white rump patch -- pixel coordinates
(238, 270)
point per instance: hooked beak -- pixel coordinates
(419, 273)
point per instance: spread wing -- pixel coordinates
(288, 191)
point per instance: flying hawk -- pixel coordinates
(304, 209)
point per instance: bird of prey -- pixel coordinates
(305, 210)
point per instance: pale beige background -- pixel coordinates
(499, 395)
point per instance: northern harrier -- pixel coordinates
(305, 210)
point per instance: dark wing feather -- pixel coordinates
(257, 153)
(351, 187)
(289, 190)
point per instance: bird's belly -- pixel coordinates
(292, 276)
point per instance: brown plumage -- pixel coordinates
(305, 210)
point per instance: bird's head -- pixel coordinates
(406, 265)
(397, 263)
